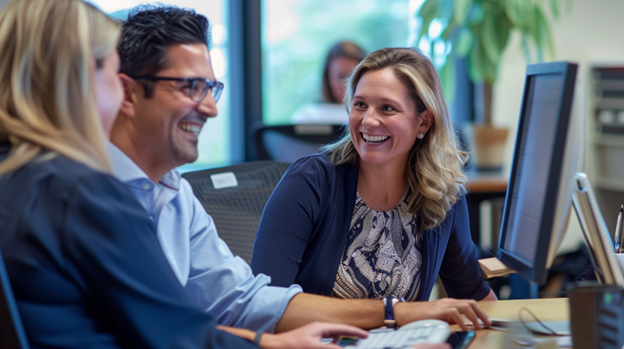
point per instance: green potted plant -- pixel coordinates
(480, 30)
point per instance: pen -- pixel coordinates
(618, 233)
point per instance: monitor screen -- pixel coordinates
(533, 206)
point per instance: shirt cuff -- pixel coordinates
(269, 305)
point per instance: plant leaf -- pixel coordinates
(513, 13)
(535, 29)
(503, 29)
(489, 69)
(526, 49)
(475, 15)
(448, 30)
(554, 7)
(489, 40)
(460, 10)
(545, 32)
(474, 62)
(463, 42)
(520, 12)
(428, 12)
(447, 78)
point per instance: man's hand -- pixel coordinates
(310, 335)
(446, 309)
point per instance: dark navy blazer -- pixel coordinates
(305, 224)
(86, 267)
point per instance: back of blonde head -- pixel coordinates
(47, 101)
(434, 169)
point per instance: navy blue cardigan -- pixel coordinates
(305, 224)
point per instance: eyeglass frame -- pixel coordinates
(209, 85)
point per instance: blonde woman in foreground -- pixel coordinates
(381, 213)
(85, 265)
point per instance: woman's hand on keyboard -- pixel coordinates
(310, 336)
(446, 309)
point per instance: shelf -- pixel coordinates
(609, 85)
(609, 103)
(609, 140)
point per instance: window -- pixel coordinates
(296, 35)
(214, 143)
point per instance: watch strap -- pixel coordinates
(389, 303)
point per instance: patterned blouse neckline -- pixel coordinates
(382, 255)
(401, 206)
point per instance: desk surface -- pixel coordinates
(552, 309)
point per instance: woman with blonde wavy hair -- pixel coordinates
(85, 265)
(46, 101)
(380, 213)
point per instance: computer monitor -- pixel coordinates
(539, 193)
(595, 233)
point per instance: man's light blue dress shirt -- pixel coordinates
(220, 283)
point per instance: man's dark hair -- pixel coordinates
(149, 31)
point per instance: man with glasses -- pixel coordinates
(170, 92)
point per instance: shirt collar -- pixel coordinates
(127, 171)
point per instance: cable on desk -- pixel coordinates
(536, 319)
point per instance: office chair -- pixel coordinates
(12, 334)
(290, 142)
(236, 210)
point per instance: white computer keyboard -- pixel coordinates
(425, 331)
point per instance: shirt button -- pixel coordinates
(146, 186)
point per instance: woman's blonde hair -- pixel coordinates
(434, 170)
(46, 84)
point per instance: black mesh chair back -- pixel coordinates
(12, 335)
(290, 142)
(236, 210)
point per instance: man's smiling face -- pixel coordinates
(170, 121)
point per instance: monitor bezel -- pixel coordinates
(536, 272)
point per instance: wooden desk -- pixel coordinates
(552, 309)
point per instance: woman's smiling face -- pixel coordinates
(384, 122)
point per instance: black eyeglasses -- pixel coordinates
(197, 89)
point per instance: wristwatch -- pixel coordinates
(389, 303)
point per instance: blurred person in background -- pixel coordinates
(341, 59)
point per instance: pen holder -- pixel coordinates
(597, 317)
